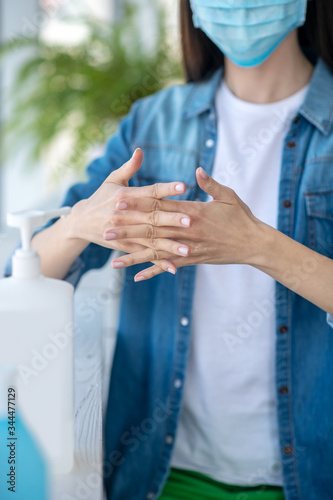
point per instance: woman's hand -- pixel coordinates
(90, 218)
(223, 231)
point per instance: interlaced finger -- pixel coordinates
(130, 217)
(148, 255)
(158, 190)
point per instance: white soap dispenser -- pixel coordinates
(36, 337)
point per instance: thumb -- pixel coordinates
(208, 184)
(123, 174)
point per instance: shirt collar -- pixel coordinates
(202, 95)
(317, 107)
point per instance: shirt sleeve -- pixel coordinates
(118, 151)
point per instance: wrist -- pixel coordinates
(265, 245)
(70, 228)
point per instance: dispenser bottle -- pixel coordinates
(23, 471)
(36, 337)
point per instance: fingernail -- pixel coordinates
(203, 173)
(185, 221)
(183, 250)
(110, 236)
(115, 265)
(179, 187)
(171, 270)
(139, 278)
(121, 205)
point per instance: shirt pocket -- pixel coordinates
(319, 207)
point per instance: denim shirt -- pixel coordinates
(177, 131)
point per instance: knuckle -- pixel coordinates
(154, 218)
(121, 193)
(195, 248)
(114, 219)
(213, 186)
(111, 220)
(156, 190)
(150, 233)
(154, 254)
(156, 206)
(153, 243)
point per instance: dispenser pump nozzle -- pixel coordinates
(26, 262)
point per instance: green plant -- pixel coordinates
(84, 89)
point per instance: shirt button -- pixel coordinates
(150, 495)
(291, 144)
(283, 389)
(296, 120)
(286, 204)
(210, 143)
(184, 321)
(177, 383)
(283, 329)
(169, 439)
(287, 450)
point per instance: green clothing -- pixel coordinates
(189, 485)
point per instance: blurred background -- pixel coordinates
(70, 69)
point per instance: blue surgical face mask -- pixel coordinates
(248, 31)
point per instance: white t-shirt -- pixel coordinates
(228, 424)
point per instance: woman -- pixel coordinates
(221, 386)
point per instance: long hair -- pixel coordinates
(201, 55)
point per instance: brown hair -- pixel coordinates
(201, 56)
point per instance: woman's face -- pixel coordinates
(248, 31)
